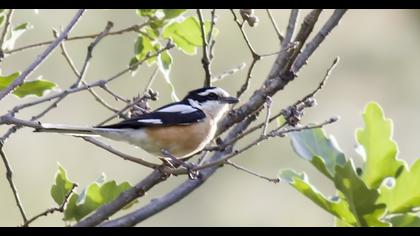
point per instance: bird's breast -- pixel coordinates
(180, 140)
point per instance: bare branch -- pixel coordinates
(318, 39)
(133, 28)
(120, 154)
(53, 209)
(276, 28)
(206, 61)
(6, 28)
(291, 27)
(9, 177)
(76, 72)
(20, 79)
(272, 180)
(268, 102)
(274, 133)
(94, 84)
(91, 46)
(323, 81)
(228, 72)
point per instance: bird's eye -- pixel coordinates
(212, 96)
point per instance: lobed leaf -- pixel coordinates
(381, 151)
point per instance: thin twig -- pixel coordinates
(53, 209)
(91, 85)
(9, 177)
(276, 28)
(212, 24)
(323, 81)
(245, 86)
(272, 180)
(120, 154)
(90, 48)
(121, 112)
(205, 60)
(271, 134)
(21, 78)
(133, 28)
(228, 72)
(151, 80)
(77, 74)
(278, 67)
(116, 96)
(210, 38)
(6, 27)
(267, 115)
(241, 27)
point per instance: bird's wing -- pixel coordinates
(173, 114)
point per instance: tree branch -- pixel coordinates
(5, 30)
(120, 154)
(53, 209)
(318, 39)
(206, 61)
(9, 177)
(276, 28)
(133, 28)
(77, 74)
(272, 180)
(20, 79)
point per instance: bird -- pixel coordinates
(178, 130)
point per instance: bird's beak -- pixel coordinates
(229, 100)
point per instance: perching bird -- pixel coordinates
(181, 128)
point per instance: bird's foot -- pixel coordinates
(174, 162)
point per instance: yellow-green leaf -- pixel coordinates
(381, 151)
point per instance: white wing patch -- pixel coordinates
(184, 109)
(150, 121)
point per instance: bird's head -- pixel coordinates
(212, 100)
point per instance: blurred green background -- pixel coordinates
(379, 51)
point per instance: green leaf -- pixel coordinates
(143, 47)
(93, 196)
(1, 20)
(164, 63)
(314, 142)
(35, 87)
(380, 149)
(361, 199)
(405, 220)
(186, 35)
(62, 186)
(14, 35)
(146, 12)
(300, 182)
(6, 80)
(173, 13)
(151, 32)
(405, 194)
(280, 121)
